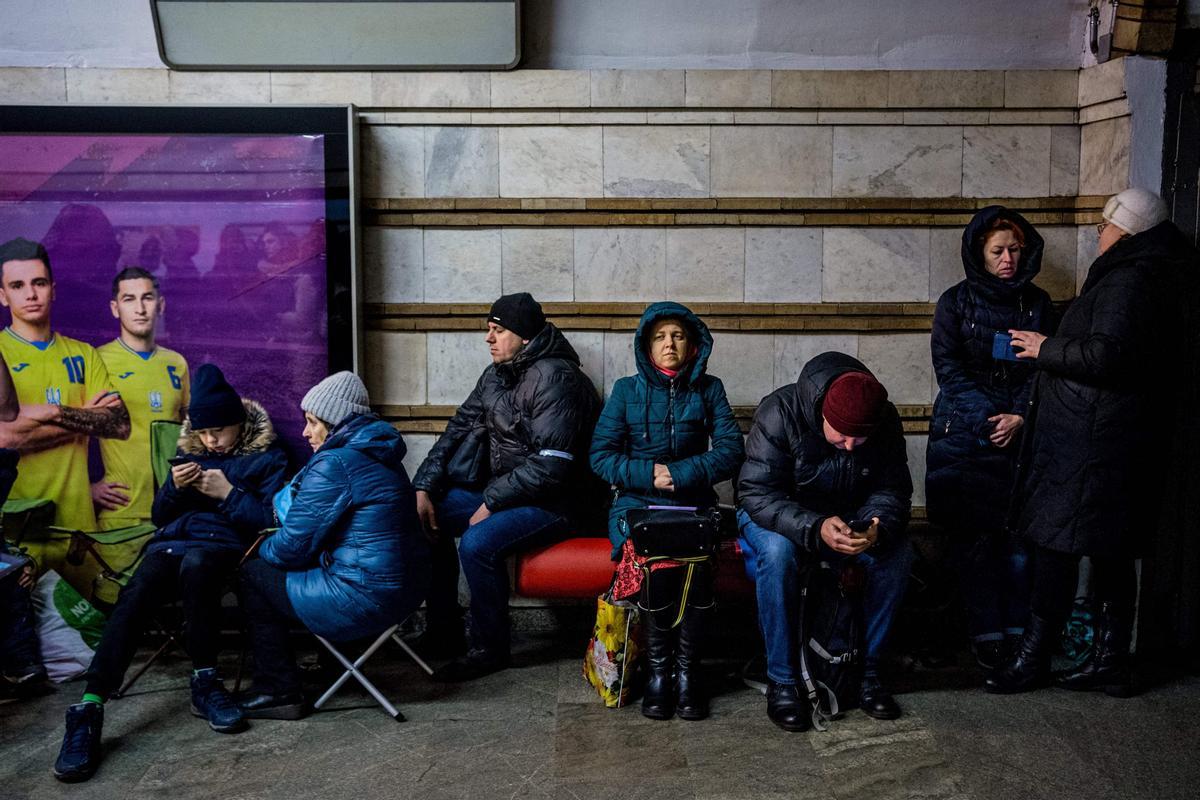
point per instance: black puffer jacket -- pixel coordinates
(539, 411)
(968, 480)
(1094, 459)
(257, 468)
(793, 479)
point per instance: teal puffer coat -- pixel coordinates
(685, 424)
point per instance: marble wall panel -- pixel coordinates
(793, 351)
(393, 265)
(656, 161)
(219, 87)
(620, 264)
(783, 265)
(705, 264)
(1102, 82)
(393, 162)
(728, 88)
(653, 88)
(540, 261)
(945, 260)
(590, 347)
(888, 161)
(1087, 250)
(1064, 160)
(462, 265)
(745, 363)
(117, 86)
(33, 85)
(309, 88)
(915, 447)
(951, 88)
(456, 360)
(395, 368)
(771, 161)
(541, 161)
(462, 162)
(1104, 156)
(619, 360)
(431, 89)
(902, 363)
(829, 88)
(525, 88)
(1041, 88)
(1058, 261)
(874, 265)
(418, 445)
(1006, 161)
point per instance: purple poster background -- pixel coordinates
(233, 227)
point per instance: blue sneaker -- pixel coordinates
(80, 753)
(211, 701)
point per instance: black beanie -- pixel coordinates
(520, 313)
(214, 403)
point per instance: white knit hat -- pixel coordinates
(337, 397)
(1135, 210)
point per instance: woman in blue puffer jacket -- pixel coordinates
(978, 417)
(349, 559)
(666, 436)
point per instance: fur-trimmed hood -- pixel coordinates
(257, 433)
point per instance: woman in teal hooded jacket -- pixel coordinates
(666, 436)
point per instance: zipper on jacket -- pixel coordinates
(671, 416)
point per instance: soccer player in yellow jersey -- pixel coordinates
(64, 391)
(153, 382)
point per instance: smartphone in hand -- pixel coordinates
(178, 461)
(1002, 347)
(859, 526)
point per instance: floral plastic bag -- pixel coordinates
(613, 657)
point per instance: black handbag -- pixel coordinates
(674, 532)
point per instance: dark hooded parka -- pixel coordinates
(968, 480)
(684, 423)
(1093, 463)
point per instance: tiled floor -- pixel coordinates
(538, 731)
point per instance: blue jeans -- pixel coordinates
(994, 576)
(482, 552)
(774, 563)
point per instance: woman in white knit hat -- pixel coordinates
(1094, 462)
(350, 558)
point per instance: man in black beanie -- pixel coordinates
(505, 476)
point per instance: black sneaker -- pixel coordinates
(264, 705)
(475, 664)
(212, 702)
(79, 755)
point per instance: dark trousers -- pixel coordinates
(18, 640)
(198, 577)
(1056, 575)
(269, 617)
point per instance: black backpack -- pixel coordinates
(831, 638)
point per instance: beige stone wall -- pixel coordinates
(748, 188)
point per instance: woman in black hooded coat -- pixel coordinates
(977, 417)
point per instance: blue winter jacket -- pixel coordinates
(257, 468)
(351, 543)
(650, 419)
(968, 480)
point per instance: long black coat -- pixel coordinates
(793, 479)
(539, 411)
(1093, 462)
(968, 480)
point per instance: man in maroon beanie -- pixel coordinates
(823, 452)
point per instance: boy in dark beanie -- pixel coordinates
(209, 511)
(823, 452)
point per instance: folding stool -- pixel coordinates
(353, 669)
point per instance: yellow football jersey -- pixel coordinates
(153, 386)
(66, 372)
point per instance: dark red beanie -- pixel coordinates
(854, 403)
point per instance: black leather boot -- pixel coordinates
(787, 708)
(658, 702)
(692, 701)
(1029, 667)
(1106, 669)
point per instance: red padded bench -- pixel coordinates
(580, 568)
